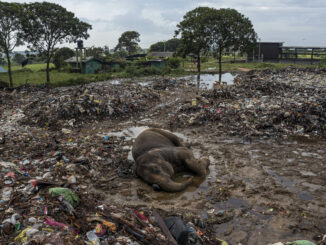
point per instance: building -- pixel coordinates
(158, 64)
(161, 55)
(265, 51)
(90, 65)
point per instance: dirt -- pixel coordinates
(259, 190)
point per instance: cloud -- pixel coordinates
(296, 22)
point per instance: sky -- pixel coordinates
(294, 22)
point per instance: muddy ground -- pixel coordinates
(260, 189)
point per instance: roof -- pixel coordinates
(161, 54)
(74, 59)
(270, 42)
(2, 69)
(303, 47)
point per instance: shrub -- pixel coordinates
(174, 62)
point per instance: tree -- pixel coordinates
(194, 32)
(128, 41)
(167, 46)
(96, 52)
(230, 30)
(10, 31)
(18, 58)
(61, 55)
(48, 24)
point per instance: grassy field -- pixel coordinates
(35, 73)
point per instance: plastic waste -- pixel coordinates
(92, 237)
(66, 194)
(300, 242)
(178, 229)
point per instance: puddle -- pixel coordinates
(207, 81)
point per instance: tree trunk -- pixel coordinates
(220, 64)
(48, 71)
(198, 62)
(11, 85)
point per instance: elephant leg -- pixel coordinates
(154, 175)
(199, 167)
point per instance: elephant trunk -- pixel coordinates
(171, 186)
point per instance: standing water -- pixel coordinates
(207, 81)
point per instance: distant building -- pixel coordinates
(161, 55)
(265, 51)
(90, 65)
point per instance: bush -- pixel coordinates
(61, 55)
(174, 62)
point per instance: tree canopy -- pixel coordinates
(230, 30)
(10, 31)
(208, 29)
(128, 41)
(47, 24)
(61, 55)
(168, 46)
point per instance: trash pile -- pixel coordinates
(87, 103)
(262, 103)
(47, 195)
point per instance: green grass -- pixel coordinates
(33, 67)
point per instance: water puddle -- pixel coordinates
(207, 81)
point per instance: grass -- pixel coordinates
(35, 73)
(33, 67)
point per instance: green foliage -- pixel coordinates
(120, 54)
(194, 32)
(18, 58)
(61, 55)
(168, 46)
(47, 24)
(96, 52)
(128, 41)
(174, 62)
(10, 30)
(219, 30)
(322, 63)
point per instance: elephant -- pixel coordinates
(159, 155)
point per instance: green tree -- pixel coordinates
(167, 46)
(18, 58)
(194, 32)
(230, 30)
(61, 55)
(10, 31)
(48, 24)
(128, 41)
(96, 52)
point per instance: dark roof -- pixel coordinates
(135, 56)
(161, 54)
(303, 47)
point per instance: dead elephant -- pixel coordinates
(159, 155)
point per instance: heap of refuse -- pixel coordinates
(87, 103)
(262, 103)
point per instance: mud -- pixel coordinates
(259, 190)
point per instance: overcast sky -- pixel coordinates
(295, 22)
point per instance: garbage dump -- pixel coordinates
(263, 103)
(59, 162)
